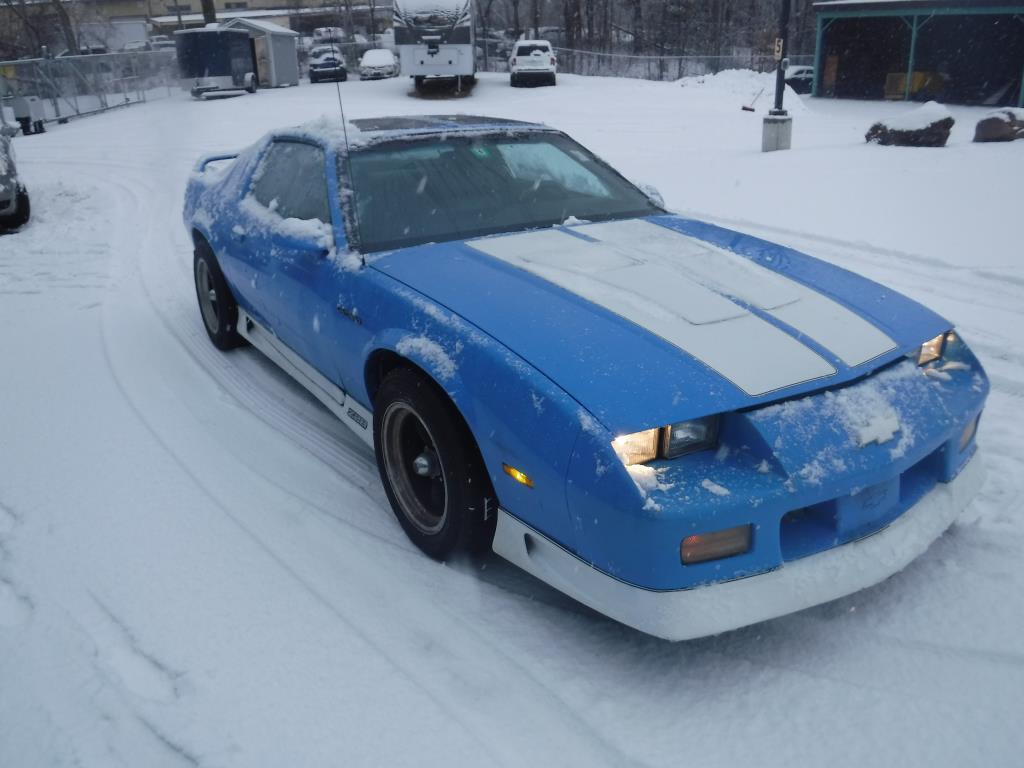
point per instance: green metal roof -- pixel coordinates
(864, 8)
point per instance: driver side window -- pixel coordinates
(292, 181)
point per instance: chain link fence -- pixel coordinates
(601, 64)
(44, 90)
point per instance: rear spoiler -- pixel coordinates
(207, 159)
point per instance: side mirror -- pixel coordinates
(652, 194)
(311, 237)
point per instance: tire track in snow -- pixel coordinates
(589, 739)
(370, 643)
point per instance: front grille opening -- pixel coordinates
(807, 530)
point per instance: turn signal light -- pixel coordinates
(715, 545)
(968, 434)
(518, 475)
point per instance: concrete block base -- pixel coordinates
(777, 133)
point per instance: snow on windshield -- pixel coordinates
(378, 57)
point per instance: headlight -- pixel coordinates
(667, 442)
(932, 349)
(637, 448)
(689, 436)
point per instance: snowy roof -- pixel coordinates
(188, 18)
(268, 27)
(438, 124)
(880, 5)
(366, 131)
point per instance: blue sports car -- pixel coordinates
(684, 427)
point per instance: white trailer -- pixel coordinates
(436, 39)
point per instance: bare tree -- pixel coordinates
(64, 20)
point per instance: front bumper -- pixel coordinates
(707, 610)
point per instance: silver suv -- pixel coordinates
(14, 207)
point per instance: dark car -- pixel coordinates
(800, 79)
(14, 206)
(326, 63)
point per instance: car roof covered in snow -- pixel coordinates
(438, 124)
(374, 130)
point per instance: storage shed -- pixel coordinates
(956, 51)
(275, 48)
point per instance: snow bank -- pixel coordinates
(741, 86)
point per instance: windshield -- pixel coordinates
(526, 50)
(377, 57)
(439, 189)
(319, 53)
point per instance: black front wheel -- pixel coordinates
(216, 304)
(431, 468)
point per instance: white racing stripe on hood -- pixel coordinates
(845, 334)
(654, 293)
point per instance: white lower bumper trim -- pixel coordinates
(708, 610)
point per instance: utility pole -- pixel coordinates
(209, 11)
(777, 131)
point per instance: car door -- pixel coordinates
(327, 304)
(288, 229)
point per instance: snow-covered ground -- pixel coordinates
(198, 566)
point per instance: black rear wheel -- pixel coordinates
(430, 467)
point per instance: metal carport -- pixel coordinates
(956, 51)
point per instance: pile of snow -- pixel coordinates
(918, 118)
(744, 85)
(1007, 114)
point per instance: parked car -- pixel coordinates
(800, 78)
(162, 43)
(532, 62)
(327, 63)
(378, 63)
(83, 50)
(14, 203)
(687, 428)
(328, 35)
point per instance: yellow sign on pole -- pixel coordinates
(778, 49)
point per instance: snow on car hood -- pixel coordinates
(646, 322)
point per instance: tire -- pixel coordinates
(217, 307)
(553, 80)
(431, 468)
(313, 80)
(418, 81)
(22, 212)
(344, 77)
(513, 80)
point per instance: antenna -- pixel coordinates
(348, 163)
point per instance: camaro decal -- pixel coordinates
(692, 294)
(655, 294)
(845, 334)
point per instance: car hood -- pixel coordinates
(650, 321)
